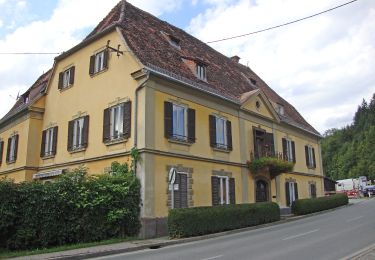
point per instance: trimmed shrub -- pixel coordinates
(74, 209)
(197, 221)
(307, 206)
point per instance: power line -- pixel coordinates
(28, 53)
(284, 24)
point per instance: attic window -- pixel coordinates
(26, 97)
(175, 42)
(280, 109)
(201, 71)
(253, 81)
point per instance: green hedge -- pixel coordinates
(306, 206)
(204, 220)
(73, 209)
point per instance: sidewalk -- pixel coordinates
(103, 250)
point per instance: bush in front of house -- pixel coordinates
(307, 206)
(197, 221)
(74, 209)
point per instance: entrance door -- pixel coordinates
(261, 191)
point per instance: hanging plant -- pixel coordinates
(274, 165)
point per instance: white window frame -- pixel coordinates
(99, 62)
(221, 134)
(201, 71)
(180, 134)
(66, 78)
(280, 109)
(292, 195)
(12, 149)
(223, 181)
(117, 122)
(310, 156)
(49, 141)
(78, 133)
(289, 150)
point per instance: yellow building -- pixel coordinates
(137, 81)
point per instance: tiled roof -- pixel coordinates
(145, 35)
(33, 93)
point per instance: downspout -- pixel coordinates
(140, 86)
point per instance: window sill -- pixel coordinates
(66, 88)
(177, 141)
(223, 150)
(77, 150)
(98, 73)
(311, 167)
(46, 157)
(116, 141)
(11, 162)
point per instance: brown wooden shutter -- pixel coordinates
(106, 125)
(256, 152)
(85, 141)
(294, 151)
(70, 135)
(1, 151)
(270, 142)
(229, 135)
(61, 76)
(296, 190)
(8, 150)
(313, 156)
(215, 190)
(307, 155)
(105, 59)
(92, 65)
(212, 126)
(43, 145)
(54, 140)
(168, 119)
(127, 119)
(287, 194)
(183, 191)
(191, 125)
(285, 154)
(177, 197)
(16, 147)
(232, 191)
(72, 71)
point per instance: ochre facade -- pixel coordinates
(127, 78)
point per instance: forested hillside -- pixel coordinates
(350, 152)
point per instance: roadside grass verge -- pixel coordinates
(10, 254)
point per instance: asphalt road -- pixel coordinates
(332, 235)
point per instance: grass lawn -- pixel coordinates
(8, 254)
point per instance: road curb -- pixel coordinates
(105, 252)
(361, 253)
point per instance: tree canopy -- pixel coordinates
(349, 152)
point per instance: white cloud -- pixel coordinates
(55, 34)
(1, 23)
(323, 66)
(157, 7)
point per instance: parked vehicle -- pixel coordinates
(369, 191)
(354, 188)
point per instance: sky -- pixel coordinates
(323, 66)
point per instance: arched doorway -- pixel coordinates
(261, 191)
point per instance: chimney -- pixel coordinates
(235, 58)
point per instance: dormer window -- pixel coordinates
(26, 97)
(253, 81)
(280, 109)
(201, 71)
(175, 42)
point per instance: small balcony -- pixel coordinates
(266, 160)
